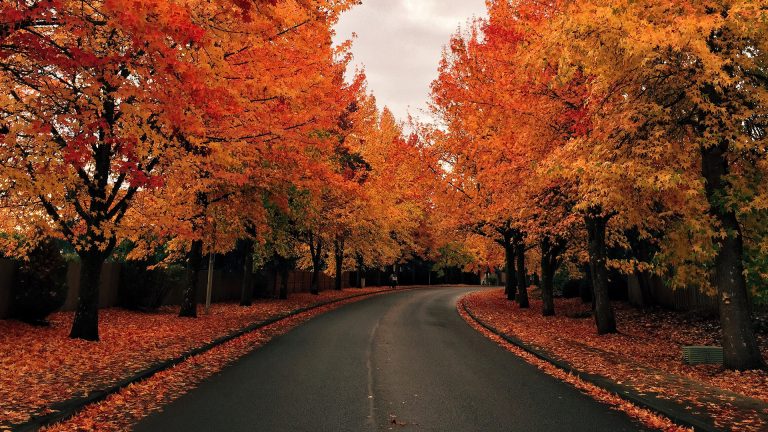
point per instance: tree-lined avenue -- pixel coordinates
(404, 361)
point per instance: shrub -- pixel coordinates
(146, 290)
(571, 288)
(40, 284)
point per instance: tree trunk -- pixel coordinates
(194, 264)
(316, 251)
(522, 277)
(548, 268)
(547, 295)
(642, 250)
(604, 317)
(359, 272)
(739, 345)
(246, 287)
(510, 284)
(585, 289)
(645, 278)
(314, 282)
(338, 252)
(283, 282)
(86, 323)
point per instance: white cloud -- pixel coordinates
(400, 42)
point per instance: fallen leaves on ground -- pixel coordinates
(646, 417)
(41, 365)
(122, 410)
(646, 354)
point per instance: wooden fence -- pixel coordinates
(226, 285)
(686, 299)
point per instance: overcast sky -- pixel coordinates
(399, 42)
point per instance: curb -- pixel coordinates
(626, 393)
(66, 409)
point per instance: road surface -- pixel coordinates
(401, 361)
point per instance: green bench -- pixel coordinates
(694, 355)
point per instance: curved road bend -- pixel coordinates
(402, 361)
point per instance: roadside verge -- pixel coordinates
(61, 411)
(680, 400)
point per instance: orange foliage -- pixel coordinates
(635, 124)
(149, 120)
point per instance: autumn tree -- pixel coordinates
(680, 94)
(283, 79)
(555, 230)
(394, 203)
(366, 208)
(98, 96)
(488, 142)
(575, 142)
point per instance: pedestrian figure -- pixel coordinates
(393, 281)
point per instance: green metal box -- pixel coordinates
(703, 355)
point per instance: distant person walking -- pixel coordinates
(393, 281)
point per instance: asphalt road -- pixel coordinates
(402, 361)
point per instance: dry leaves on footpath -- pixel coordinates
(42, 365)
(645, 354)
(122, 410)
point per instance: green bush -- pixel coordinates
(40, 284)
(756, 267)
(562, 283)
(146, 290)
(572, 288)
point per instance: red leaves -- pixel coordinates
(76, 155)
(579, 120)
(122, 410)
(138, 178)
(42, 366)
